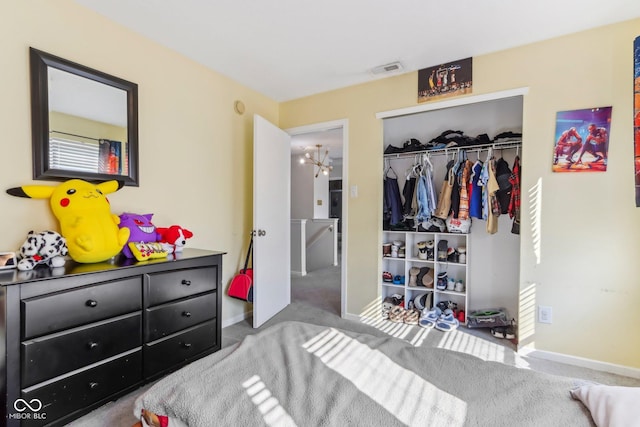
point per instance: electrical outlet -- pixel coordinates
(545, 314)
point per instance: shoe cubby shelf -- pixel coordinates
(404, 253)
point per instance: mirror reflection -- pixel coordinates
(84, 122)
(87, 125)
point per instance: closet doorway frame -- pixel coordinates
(324, 126)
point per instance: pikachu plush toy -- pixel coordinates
(85, 217)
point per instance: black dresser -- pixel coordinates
(78, 336)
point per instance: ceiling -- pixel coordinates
(287, 49)
(328, 140)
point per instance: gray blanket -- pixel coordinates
(295, 373)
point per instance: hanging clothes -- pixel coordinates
(444, 197)
(475, 196)
(463, 212)
(407, 194)
(503, 174)
(431, 191)
(514, 203)
(493, 204)
(423, 202)
(392, 202)
(484, 182)
(427, 202)
(455, 191)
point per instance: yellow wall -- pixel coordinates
(91, 129)
(589, 225)
(195, 152)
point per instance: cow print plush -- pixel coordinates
(46, 247)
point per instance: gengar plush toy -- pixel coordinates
(46, 247)
(174, 238)
(85, 217)
(141, 229)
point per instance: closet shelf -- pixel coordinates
(440, 151)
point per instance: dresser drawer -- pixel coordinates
(172, 285)
(173, 317)
(86, 387)
(53, 355)
(63, 310)
(171, 351)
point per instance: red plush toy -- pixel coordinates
(174, 238)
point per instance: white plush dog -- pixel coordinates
(46, 247)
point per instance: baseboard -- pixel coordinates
(354, 317)
(236, 319)
(582, 362)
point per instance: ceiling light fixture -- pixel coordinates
(317, 161)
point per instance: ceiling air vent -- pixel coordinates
(394, 67)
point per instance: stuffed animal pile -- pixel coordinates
(141, 230)
(174, 238)
(46, 247)
(89, 232)
(85, 217)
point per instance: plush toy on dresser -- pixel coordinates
(174, 238)
(141, 231)
(46, 247)
(85, 217)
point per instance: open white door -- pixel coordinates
(271, 220)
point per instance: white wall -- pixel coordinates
(336, 173)
(309, 195)
(301, 189)
(321, 196)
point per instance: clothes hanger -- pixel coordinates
(489, 153)
(427, 160)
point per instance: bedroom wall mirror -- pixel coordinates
(84, 122)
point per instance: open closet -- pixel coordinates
(486, 262)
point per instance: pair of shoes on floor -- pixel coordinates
(505, 332)
(389, 303)
(399, 315)
(442, 320)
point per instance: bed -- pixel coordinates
(295, 373)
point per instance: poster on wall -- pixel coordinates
(582, 140)
(445, 80)
(636, 114)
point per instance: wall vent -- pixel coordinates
(393, 67)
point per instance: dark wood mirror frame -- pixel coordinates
(40, 63)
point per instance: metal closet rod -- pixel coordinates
(439, 151)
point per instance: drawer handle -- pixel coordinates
(91, 303)
(93, 386)
(92, 345)
(186, 282)
(186, 345)
(186, 313)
